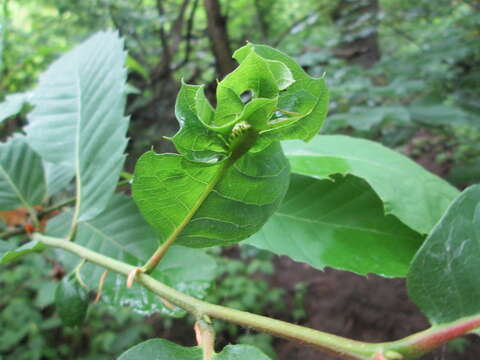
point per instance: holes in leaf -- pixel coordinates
(246, 96)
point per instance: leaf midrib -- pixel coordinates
(78, 181)
(208, 189)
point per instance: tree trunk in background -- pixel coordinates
(476, 5)
(262, 7)
(357, 22)
(217, 30)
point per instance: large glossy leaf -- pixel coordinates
(202, 205)
(78, 118)
(340, 224)
(443, 278)
(165, 350)
(22, 182)
(409, 192)
(120, 232)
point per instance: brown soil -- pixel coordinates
(424, 147)
(364, 308)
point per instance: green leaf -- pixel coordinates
(71, 301)
(442, 114)
(340, 224)
(205, 110)
(22, 181)
(415, 196)
(57, 176)
(10, 252)
(12, 105)
(161, 349)
(281, 73)
(79, 103)
(194, 139)
(6, 246)
(253, 75)
(311, 99)
(120, 232)
(166, 350)
(282, 106)
(257, 112)
(206, 205)
(240, 352)
(443, 278)
(190, 271)
(366, 118)
(135, 66)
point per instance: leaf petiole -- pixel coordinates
(78, 275)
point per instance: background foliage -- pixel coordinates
(403, 73)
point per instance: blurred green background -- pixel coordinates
(405, 73)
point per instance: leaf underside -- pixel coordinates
(22, 181)
(78, 118)
(57, 176)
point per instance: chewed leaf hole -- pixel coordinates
(246, 96)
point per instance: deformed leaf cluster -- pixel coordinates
(268, 98)
(230, 174)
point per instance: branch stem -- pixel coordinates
(411, 347)
(348, 349)
(425, 341)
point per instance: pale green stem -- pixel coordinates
(78, 275)
(349, 349)
(126, 175)
(411, 347)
